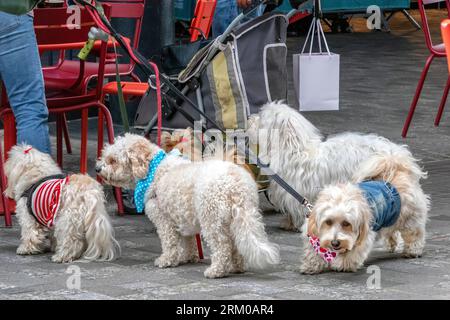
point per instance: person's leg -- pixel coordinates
(226, 11)
(20, 70)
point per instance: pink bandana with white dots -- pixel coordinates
(326, 254)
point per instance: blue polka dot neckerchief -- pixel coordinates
(143, 184)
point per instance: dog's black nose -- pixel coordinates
(98, 169)
(336, 243)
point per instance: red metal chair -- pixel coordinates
(438, 51)
(53, 34)
(445, 31)
(65, 73)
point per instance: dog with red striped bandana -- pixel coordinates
(58, 213)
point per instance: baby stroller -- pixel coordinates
(229, 79)
(220, 78)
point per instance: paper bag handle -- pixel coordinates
(320, 35)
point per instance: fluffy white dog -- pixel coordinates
(182, 198)
(387, 201)
(65, 215)
(299, 154)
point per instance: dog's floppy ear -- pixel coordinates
(312, 224)
(166, 141)
(364, 227)
(140, 154)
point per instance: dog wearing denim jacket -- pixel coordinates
(384, 200)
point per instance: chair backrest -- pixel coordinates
(56, 27)
(203, 17)
(445, 30)
(425, 25)
(129, 9)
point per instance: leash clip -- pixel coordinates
(309, 208)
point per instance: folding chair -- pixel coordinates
(436, 51)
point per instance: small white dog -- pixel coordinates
(65, 215)
(298, 153)
(387, 200)
(182, 198)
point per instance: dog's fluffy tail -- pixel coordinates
(388, 166)
(251, 239)
(101, 244)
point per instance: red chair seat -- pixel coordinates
(66, 75)
(128, 88)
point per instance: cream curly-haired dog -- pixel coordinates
(62, 214)
(215, 198)
(385, 200)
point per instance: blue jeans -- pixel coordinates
(226, 12)
(21, 72)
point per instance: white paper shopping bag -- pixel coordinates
(316, 75)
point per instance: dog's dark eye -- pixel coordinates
(110, 161)
(328, 222)
(345, 224)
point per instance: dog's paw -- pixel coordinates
(307, 269)
(411, 255)
(163, 262)
(26, 250)
(391, 249)
(213, 273)
(194, 259)
(237, 269)
(62, 259)
(347, 269)
(412, 251)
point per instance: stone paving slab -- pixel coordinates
(379, 74)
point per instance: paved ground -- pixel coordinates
(379, 74)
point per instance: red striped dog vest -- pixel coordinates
(44, 199)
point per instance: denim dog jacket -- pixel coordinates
(384, 201)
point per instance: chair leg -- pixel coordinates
(110, 129)
(9, 131)
(84, 137)
(66, 135)
(100, 138)
(419, 88)
(437, 120)
(199, 246)
(5, 200)
(59, 144)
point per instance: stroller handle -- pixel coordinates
(255, 4)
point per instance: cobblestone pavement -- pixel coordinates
(379, 74)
